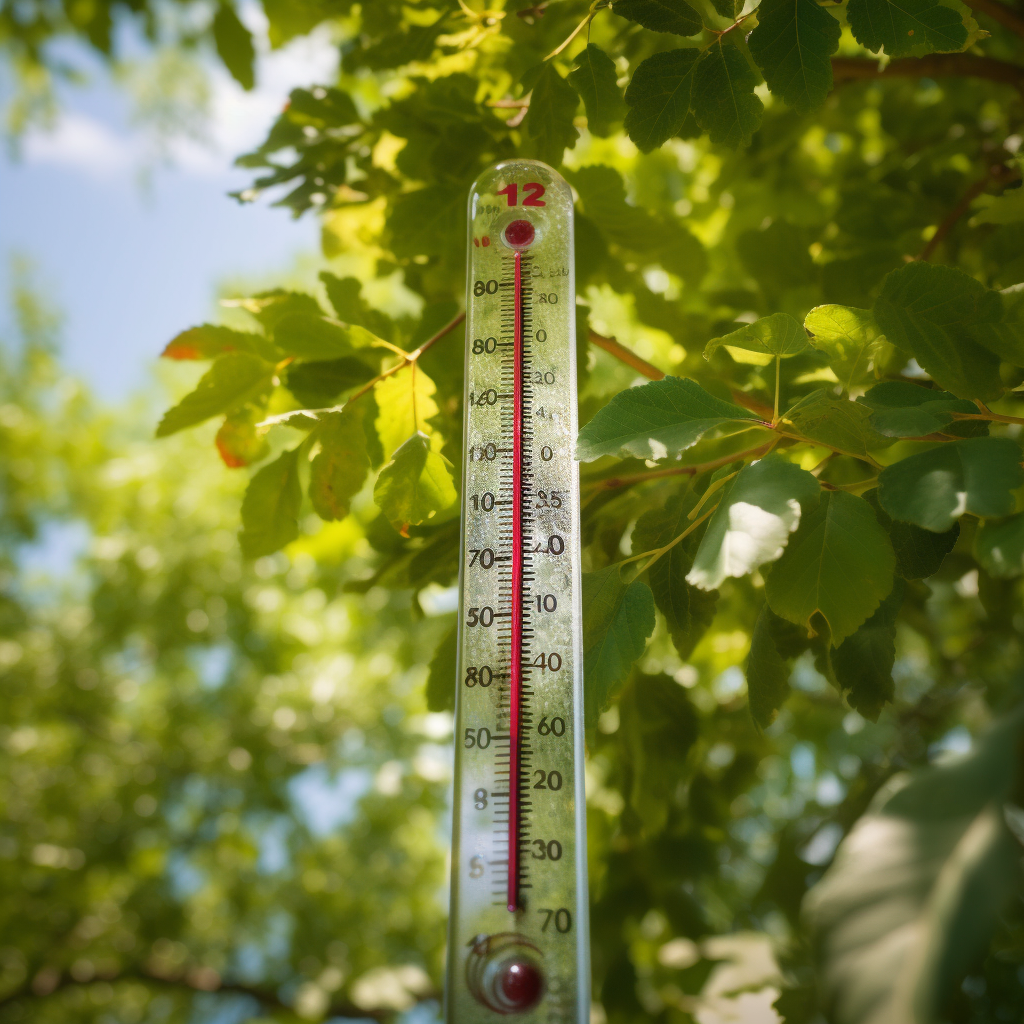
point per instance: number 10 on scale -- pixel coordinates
(518, 934)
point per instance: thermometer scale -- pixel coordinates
(519, 932)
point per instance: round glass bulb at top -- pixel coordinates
(519, 234)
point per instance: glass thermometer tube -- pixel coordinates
(519, 931)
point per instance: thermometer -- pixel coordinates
(518, 935)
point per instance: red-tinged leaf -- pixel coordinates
(207, 341)
(240, 442)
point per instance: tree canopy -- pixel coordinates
(800, 270)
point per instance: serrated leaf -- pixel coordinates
(603, 196)
(339, 469)
(406, 404)
(617, 620)
(273, 306)
(415, 485)
(767, 672)
(596, 80)
(657, 729)
(722, 98)
(427, 221)
(758, 511)
(318, 383)
(312, 337)
(919, 552)
(657, 421)
(901, 409)
(548, 128)
(232, 380)
(838, 564)
(658, 97)
(443, 678)
(792, 44)
(916, 889)
(862, 663)
(270, 508)
(999, 547)
(207, 341)
(234, 45)
(900, 26)
(240, 441)
(345, 297)
(935, 487)
(688, 611)
(675, 16)
(776, 335)
(835, 422)
(851, 340)
(951, 324)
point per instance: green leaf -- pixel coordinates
(211, 340)
(415, 485)
(596, 80)
(935, 487)
(792, 44)
(722, 99)
(345, 296)
(688, 611)
(234, 45)
(999, 547)
(270, 509)
(603, 196)
(1005, 209)
(835, 422)
(901, 409)
(851, 340)
(443, 678)
(339, 469)
(318, 383)
(759, 509)
(273, 306)
(838, 564)
(951, 325)
(406, 404)
(427, 221)
(312, 337)
(919, 553)
(548, 128)
(777, 256)
(232, 380)
(658, 97)
(239, 441)
(674, 16)
(617, 620)
(900, 26)
(657, 421)
(862, 663)
(658, 726)
(767, 672)
(775, 335)
(916, 889)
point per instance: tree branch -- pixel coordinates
(936, 65)
(1000, 13)
(627, 356)
(265, 996)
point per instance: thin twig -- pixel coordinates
(995, 172)
(575, 32)
(993, 416)
(658, 552)
(935, 65)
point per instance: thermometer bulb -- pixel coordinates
(503, 973)
(519, 234)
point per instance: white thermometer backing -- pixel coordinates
(519, 930)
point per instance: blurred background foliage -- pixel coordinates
(224, 779)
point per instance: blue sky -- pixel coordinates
(131, 258)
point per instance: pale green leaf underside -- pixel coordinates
(849, 337)
(415, 485)
(775, 335)
(758, 511)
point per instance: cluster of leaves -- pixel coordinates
(821, 483)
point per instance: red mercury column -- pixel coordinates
(518, 235)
